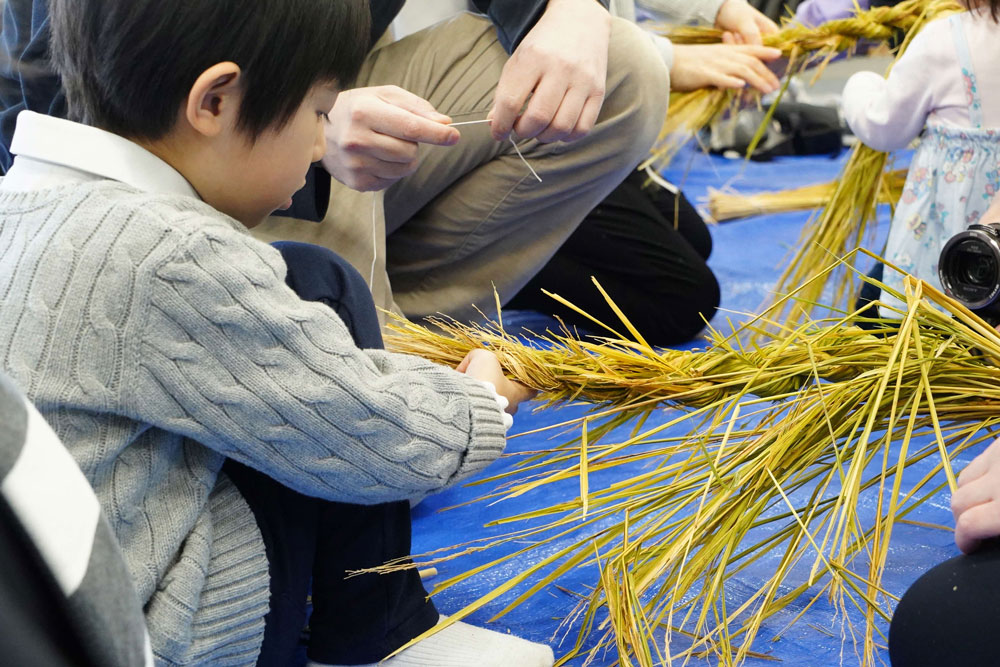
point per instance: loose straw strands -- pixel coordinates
(802, 46)
(784, 441)
(727, 205)
(844, 222)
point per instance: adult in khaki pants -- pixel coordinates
(467, 214)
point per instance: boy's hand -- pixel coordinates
(976, 501)
(373, 134)
(483, 365)
(562, 64)
(742, 23)
(723, 66)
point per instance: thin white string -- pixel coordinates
(471, 122)
(371, 276)
(371, 273)
(530, 168)
(512, 143)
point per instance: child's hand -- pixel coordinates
(483, 365)
(373, 134)
(976, 501)
(723, 66)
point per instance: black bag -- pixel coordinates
(795, 128)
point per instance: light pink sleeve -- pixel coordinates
(887, 114)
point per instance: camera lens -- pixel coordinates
(969, 267)
(976, 269)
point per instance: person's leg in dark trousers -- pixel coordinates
(648, 253)
(356, 620)
(950, 614)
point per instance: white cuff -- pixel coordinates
(508, 420)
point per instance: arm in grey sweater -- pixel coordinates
(247, 368)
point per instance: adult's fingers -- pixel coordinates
(749, 31)
(723, 80)
(588, 117)
(765, 53)
(404, 99)
(756, 73)
(408, 126)
(976, 524)
(517, 81)
(376, 145)
(978, 466)
(565, 120)
(766, 25)
(970, 495)
(546, 100)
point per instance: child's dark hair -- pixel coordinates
(127, 65)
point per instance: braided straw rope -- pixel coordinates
(802, 46)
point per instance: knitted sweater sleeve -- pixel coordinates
(887, 114)
(235, 360)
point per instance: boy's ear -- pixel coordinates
(214, 100)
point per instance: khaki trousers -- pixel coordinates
(472, 217)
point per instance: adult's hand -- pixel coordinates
(976, 501)
(483, 365)
(373, 134)
(562, 64)
(742, 24)
(723, 66)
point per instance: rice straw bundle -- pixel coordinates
(843, 224)
(784, 439)
(724, 205)
(803, 46)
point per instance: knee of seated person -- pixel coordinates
(686, 318)
(917, 621)
(638, 89)
(944, 617)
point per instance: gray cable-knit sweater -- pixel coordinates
(158, 338)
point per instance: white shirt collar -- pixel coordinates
(52, 151)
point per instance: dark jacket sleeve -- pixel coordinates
(514, 18)
(26, 79)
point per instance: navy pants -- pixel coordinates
(316, 542)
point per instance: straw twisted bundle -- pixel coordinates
(754, 476)
(723, 205)
(803, 46)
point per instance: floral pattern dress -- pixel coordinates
(953, 177)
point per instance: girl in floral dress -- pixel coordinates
(946, 84)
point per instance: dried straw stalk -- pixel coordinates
(802, 46)
(725, 205)
(783, 441)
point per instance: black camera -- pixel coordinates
(969, 268)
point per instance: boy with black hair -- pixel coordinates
(222, 418)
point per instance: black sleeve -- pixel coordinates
(310, 203)
(514, 18)
(26, 78)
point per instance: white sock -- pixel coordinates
(464, 645)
